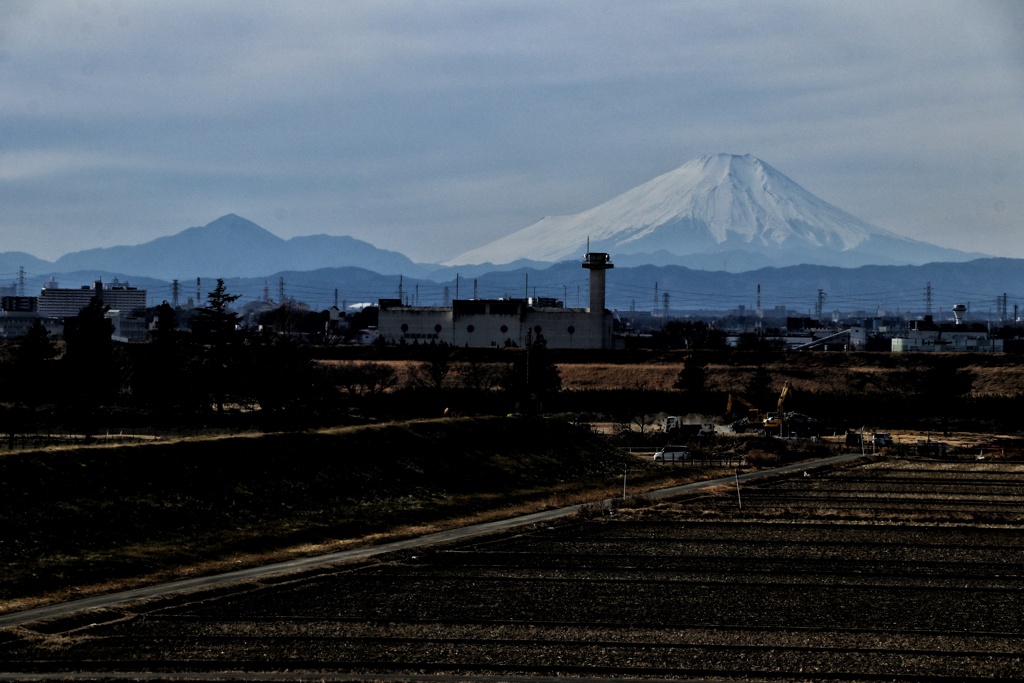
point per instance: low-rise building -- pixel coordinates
(14, 324)
(127, 327)
(483, 323)
(939, 340)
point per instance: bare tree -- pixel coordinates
(364, 379)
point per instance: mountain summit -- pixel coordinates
(714, 210)
(232, 246)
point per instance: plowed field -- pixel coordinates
(894, 570)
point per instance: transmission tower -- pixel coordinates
(280, 290)
(758, 326)
(928, 299)
(21, 281)
(664, 305)
(174, 293)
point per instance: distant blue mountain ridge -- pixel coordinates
(322, 269)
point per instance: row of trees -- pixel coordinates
(221, 373)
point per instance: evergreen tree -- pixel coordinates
(215, 326)
(90, 368)
(216, 323)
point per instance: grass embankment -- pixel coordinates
(83, 520)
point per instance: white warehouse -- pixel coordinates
(484, 323)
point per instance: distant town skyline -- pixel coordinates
(432, 128)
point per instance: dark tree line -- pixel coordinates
(217, 373)
(181, 378)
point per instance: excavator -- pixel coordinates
(755, 419)
(777, 419)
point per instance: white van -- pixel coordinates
(672, 454)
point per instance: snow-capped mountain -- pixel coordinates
(718, 211)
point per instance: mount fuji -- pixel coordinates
(715, 212)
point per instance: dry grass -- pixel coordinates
(599, 376)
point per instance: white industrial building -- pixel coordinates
(55, 302)
(937, 340)
(924, 335)
(483, 323)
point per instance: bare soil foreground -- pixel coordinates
(891, 570)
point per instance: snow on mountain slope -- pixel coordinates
(712, 204)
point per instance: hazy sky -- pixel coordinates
(434, 127)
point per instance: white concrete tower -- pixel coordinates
(597, 263)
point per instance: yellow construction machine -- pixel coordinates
(755, 419)
(777, 419)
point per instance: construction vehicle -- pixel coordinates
(754, 418)
(757, 420)
(776, 420)
(673, 424)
